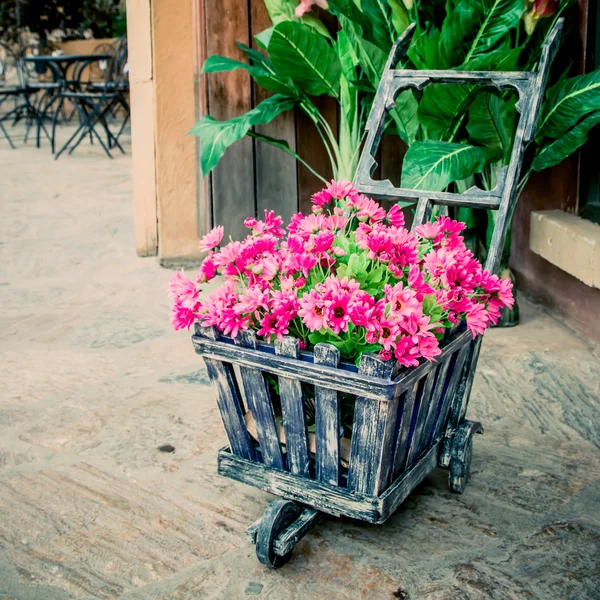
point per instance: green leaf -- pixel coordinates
(379, 14)
(405, 115)
(559, 149)
(424, 49)
(474, 27)
(218, 64)
(351, 16)
(491, 122)
(433, 165)
(443, 107)
(216, 136)
(264, 37)
(316, 24)
(400, 18)
(568, 102)
(262, 71)
(281, 10)
(306, 57)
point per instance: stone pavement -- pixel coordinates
(94, 381)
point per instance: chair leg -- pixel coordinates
(5, 133)
(60, 106)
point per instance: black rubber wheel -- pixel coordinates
(460, 466)
(279, 515)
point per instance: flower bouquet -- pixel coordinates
(349, 274)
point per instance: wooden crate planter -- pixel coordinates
(406, 421)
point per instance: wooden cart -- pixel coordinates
(407, 422)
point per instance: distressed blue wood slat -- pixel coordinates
(327, 420)
(454, 374)
(383, 450)
(407, 406)
(229, 402)
(293, 412)
(435, 403)
(259, 402)
(365, 428)
(423, 406)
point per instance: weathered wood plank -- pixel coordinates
(366, 427)
(437, 400)
(403, 486)
(288, 538)
(336, 379)
(327, 420)
(423, 407)
(407, 407)
(455, 374)
(327, 498)
(259, 402)
(294, 413)
(230, 95)
(229, 402)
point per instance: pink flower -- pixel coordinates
(321, 199)
(208, 270)
(428, 345)
(340, 189)
(402, 300)
(428, 231)
(477, 319)
(182, 317)
(395, 216)
(183, 290)
(406, 352)
(338, 316)
(313, 311)
(212, 239)
(385, 354)
(306, 5)
(253, 299)
(388, 331)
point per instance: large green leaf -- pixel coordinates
(567, 102)
(559, 149)
(405, 115)
(491, 122)
(433, 165)
(400, 18)
(474, 27)
(373, 22)
(443, 107)
(300, 53)
(281, 10)
(216, 136)
(263, 73)
(424, 49)
(379, 14)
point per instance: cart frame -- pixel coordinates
(407, 421)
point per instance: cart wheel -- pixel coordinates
(462, 453)
(279, 515)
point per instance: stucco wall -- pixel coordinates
(163, 56)
(174, 97)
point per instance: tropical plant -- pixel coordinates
(457, 135)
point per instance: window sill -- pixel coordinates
(568, 242)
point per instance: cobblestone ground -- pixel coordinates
(94, 381)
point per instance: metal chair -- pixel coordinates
(96, 101)
(11, 89)
(42, 84)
